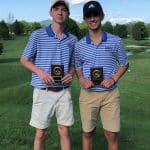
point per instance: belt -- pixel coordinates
(54, 89)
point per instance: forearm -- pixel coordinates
(120, 72)
(29, 65)
(86, 83)
(68, 77)
(79, 74)
(72, 70)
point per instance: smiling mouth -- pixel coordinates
(93, 23)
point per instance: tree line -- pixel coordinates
(135, 30)
(8, 31)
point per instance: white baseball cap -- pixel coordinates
(65, 2)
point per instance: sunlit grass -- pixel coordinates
(16, 101)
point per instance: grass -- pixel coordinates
(130, 41)
(16, 101)
(143, 45)
(135, 104)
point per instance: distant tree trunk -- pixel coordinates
(1, 48)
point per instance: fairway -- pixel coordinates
(16, 101)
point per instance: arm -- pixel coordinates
(44, 76)
(123, 65)
(68, 77)
(83, 81)
(120, 72)
(112, 80)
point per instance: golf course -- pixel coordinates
(16, 102)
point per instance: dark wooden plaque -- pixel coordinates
(57, 72)
(96, 75)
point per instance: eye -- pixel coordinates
(64, 9)
(56, 8)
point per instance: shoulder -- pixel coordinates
(81, 42)
(114, 41)
(38, 31)
(113, 38)
(72, 37)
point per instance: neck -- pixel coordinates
(96, 35)
(57, 29)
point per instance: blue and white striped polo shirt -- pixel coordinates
(109, 54)
(44, 49)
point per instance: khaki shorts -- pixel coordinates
(46, 103)
(106, 104)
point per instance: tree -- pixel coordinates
(148, 29)
(36, 25)
(121, 30)
(27, 27)
(4, 31)
(17, 27)
(129, 28)
(139, 31)
(83, 29)
(107, 26)
(72, 27)
(1, 48)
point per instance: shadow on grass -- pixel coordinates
(8, 60)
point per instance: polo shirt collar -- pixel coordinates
(104, 37)
(50, 32)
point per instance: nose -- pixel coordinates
(92, 18)
(60, 12)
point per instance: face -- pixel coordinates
(59, 14)
(93, 21)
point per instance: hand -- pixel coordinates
(108, 82)
(45, 77)
(67, 79)
(86, 83)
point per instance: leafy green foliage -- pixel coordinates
(16, 101)
(36, 25)
(139, 31)
(4, 31)
(72, 27)
(17, 28)
(107, 26)
(83, 29)
(27, 27)
(121, 30)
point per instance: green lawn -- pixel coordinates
(16, 101)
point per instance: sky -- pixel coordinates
(116, 11)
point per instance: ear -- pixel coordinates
(102, 17)
(50, 12)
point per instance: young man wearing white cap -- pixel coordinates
(49, 55)
(100, 62)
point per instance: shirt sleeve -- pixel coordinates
(78, 62)
(121, 53)
(31, 47)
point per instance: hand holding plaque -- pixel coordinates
(57, 72)
(96, 75)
